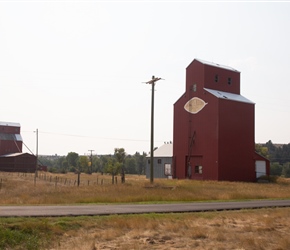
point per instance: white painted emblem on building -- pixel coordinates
(194, 105)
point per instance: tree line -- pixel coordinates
(279, 156)
(117, 163)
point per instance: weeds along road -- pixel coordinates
(89, 210)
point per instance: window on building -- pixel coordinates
(198, 170)
(159, 161)
(167, 169)
(229, 81)
(216, 78)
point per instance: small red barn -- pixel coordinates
(213, 134)
(18, 162)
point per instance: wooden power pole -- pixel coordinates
(152, 82)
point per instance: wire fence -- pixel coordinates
(57, 180)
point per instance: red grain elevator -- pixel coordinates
(213, 132)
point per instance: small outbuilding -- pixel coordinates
(18, 162)
(262, 165)
(162, 165)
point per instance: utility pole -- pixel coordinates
(152, 82)
(35, 175)
(91, 159)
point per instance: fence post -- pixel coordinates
(79, 177)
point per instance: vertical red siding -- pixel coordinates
(9, 129)
(223, 78)
(10, 146)
(236, 141)
(180, 137)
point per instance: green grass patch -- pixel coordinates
(19, 237)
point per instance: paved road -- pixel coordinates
(78, 210)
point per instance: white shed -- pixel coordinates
(162, 162)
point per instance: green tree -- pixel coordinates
(104, 160)
(120, 155)
(72, 159)
(59, 164)
(64, 166)
(275, 169)
(112, 167)
(285, 155)
(97, 163)
(131, 165)
(83, 164)
(286, 170)
(141, 162)
(46, 161)
(262, 150)
(271, 148)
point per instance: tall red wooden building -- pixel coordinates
(213, 134)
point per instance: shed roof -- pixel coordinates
(14, 155)
(10, 137)
(228, 96)
(10, 124)
(166, 150)
(216, 65)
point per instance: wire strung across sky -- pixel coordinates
(87, 136)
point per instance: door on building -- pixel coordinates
(194, 167)
(260, 168)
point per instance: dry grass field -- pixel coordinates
(263, 229)
(244, 229)
(19, 188)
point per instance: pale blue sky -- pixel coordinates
(74, 69)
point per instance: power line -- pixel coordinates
(96, 137)
(32, 153)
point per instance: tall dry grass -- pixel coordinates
(18, 188)
(246, 229)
